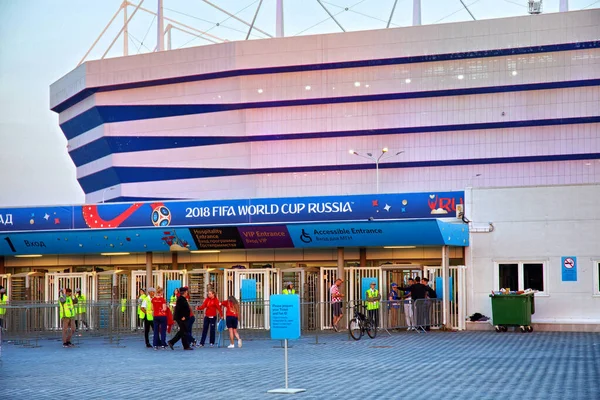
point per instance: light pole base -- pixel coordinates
(286, 391)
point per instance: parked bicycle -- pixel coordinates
(360, 323)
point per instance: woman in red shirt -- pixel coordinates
(213, 307)
(159, 310)
(231, 318)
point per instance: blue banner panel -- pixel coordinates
(97, 241)
(248, 290)
(439, 287)
(351, 234)
(285, 316)
(233, 212)
(569, 269)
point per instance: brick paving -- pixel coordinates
(436, 365)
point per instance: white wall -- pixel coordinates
(541, 224)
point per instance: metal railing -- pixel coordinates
(27, 323)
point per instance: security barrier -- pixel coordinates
(26, 322)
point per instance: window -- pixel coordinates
(521, 275)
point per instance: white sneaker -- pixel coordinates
(409, 328)
(239, 342)
(231, 346)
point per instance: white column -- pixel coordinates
(340, 263)
(160, 31)
(148, 270)
(279, 19)
(564, 6)
(446, 290)
(125, 31)
(416, 12)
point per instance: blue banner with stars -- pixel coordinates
(368, 207)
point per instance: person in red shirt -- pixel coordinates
(159, 310)
(231, 319)
(213, 307)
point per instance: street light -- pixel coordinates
(104, 192)
(377, 160)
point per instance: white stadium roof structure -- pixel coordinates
(135, 25)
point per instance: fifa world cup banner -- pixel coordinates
(191, 213)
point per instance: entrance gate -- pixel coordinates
(458, 295)
(253, 288)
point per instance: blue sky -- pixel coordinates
(42, 40)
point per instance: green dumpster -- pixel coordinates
(512, 310)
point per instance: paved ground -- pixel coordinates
(436, 365)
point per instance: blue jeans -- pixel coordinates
(160, 326)
(190, 322)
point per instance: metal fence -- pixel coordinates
(28, 323)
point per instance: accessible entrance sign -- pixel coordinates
(285, 325)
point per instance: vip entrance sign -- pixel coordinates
(285, 325)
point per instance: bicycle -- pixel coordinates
(360, 323)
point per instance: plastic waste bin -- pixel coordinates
(512, 310)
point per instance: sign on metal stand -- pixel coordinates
(285, 325)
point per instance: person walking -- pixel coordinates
(213, 307)
(159, 309)
(3, 302)
(67, 315)
(191, 319)
(336, 303)
(81, 311)
(181, 314)
(232, 316)
(372, 295)
(148, 315)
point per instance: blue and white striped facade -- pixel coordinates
(516, 100)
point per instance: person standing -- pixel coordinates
(67, 315)
(148, 315)
(181, 314)
(213, 307)
(372, 295)
(159, 309)
(141, 315)
(336, 303)
(173, 299)
(81, 310)
(231, 319)
(393, 306)
(3, 301)
(289, 289)
(408, 307)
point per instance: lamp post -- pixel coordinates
(383, 156)
(104, 192)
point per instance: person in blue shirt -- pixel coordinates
(393, 306)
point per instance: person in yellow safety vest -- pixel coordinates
(3, 300)
(81, 310)
(148, 315)
(173, 299)
(289, 289)
(67, 315)
(140, 313)
(373, 298)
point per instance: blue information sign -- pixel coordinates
(569, 269)
(285, 316)
(248, 290)
(439, 287)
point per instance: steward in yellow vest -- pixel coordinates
(67, 315)
(373, 298)
(149, 315)
(81, 310)
(3, 300)
(289, 289)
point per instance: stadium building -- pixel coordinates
(469, 150)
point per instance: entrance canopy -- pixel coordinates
(311, 222)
